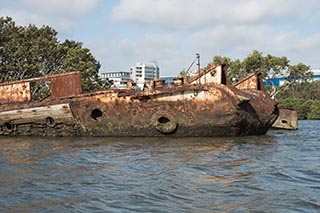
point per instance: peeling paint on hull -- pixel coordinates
(191, 110)
(288, 119)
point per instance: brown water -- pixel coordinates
(278, 172)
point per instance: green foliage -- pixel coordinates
(314, 112)
(254, 62)
(221, 60)
(299, 72)
(304, 98)
(77, 58)
(27, 52)
(235, 70)
(305, 91)
(185, 74)
(273, 66)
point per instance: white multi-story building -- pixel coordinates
(118, 78)
(144, 72)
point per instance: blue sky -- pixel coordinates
(120, 33)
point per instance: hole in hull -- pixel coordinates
(96, 113)
(163, 120)
(50, 122)
(8, 126)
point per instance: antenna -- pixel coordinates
(198, 63)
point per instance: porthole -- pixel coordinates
(96, 113)
(8, 127)
(50, 122)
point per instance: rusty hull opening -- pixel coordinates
(96, 113)
(163, 120)
(8, 126)
(50, 122)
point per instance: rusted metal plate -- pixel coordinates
(288, 119)
(66, 85)
(252, 81)
(15, 92)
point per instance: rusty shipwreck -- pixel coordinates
(205, 105)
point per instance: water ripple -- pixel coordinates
(278, 172)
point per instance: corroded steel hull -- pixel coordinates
(288, 119)
(210, 109)
(213, 110)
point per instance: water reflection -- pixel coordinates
(238, 174)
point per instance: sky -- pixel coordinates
(120, 33)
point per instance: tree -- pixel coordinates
(221, 60)
(183, 73)
(27, 52)
(299, 73)
(273, 67)
(314, 113)
(303, 97)
(77, 58)
(235, 71)
(254, 62)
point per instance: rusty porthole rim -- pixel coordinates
(50, 122)
(165, 128)
(6, 126)
(163, 120)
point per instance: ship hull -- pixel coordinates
(188, 111)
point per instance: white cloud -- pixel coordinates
(233, 28)
(58, 14)
(230, 28)
(241, 40)
(236, 39)
(303, 50)
(25, 18)
(69, 8)
(174, 51)
(122, 53)
(190, 13)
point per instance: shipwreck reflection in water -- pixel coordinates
(275, 172)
